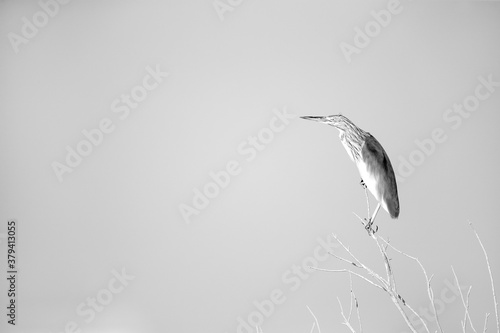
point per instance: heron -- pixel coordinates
(372, 162)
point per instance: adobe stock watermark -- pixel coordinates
(31, 27)
(448, 295)
(223, 6)
(89, 309)
(454, 117)
(122, 107)
(292, 280)
(363, 37)
(248, 150)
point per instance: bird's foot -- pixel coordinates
(362, 183)
(368, 226)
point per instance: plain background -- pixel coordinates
(119, 209)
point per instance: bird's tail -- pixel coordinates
(393, 208)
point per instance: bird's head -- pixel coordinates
(337, 120)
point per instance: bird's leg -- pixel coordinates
(369, 223)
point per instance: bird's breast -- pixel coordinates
(347, 148)
(369, 178)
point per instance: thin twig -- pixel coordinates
(419, 317)
(315, 320)
(357, 312)
(463, 300)
(430, 292)
(464, 322)
(486, 322)
(348, 271)
(346, 322)
(388, 268)
(491, 276)
(351, 297)
(347, 250)
(395, 297)
(387, 285)
(401, 311)
(312, 328)
(345, 260)
(382, 281)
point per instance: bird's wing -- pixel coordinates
(379, 165)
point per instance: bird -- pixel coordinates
(372, 162)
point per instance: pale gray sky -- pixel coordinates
(115, 116)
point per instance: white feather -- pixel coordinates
(371, 182)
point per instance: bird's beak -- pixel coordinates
(320, 119)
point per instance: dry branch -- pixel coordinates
(491, 277)
(315, 320)
(388, 283)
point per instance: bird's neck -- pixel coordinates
(352, 143)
